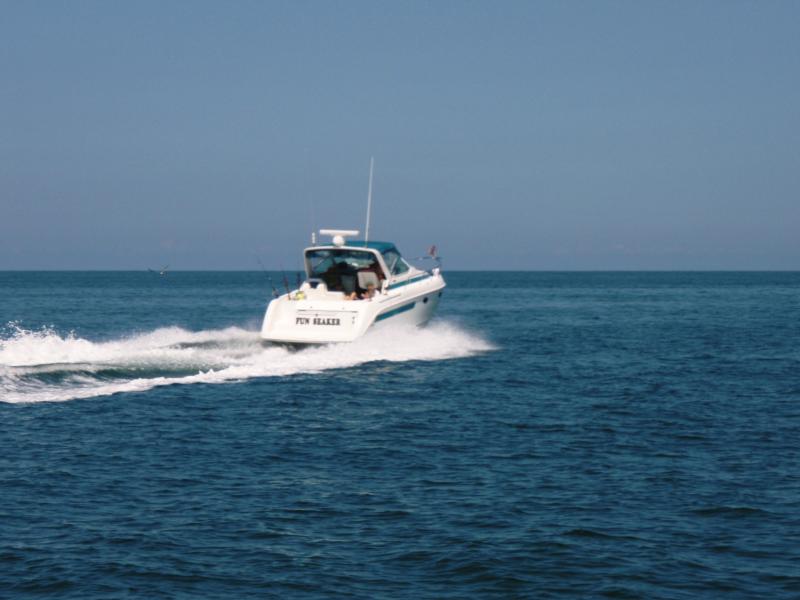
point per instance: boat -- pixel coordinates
(352, 287)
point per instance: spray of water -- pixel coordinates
(42, 366)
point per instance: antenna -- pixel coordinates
(311, 204)
(369, 198)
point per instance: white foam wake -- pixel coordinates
(41, 366)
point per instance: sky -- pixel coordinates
(558, 135)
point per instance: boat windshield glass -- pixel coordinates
(340, 268)
(394, 262)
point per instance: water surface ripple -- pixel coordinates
(620, 435)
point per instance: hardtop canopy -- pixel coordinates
(387, 257)
(379, 246)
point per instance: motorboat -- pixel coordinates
(352, 287)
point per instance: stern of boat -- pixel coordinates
(297, 322)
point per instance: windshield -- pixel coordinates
(340, 268)
(320, 261)
(394, 262)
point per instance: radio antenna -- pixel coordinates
(369, 198)
(311, 204)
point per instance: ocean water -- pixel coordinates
(621, 435)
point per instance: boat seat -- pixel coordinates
(314, 284)
(367, 277)
(348, 284)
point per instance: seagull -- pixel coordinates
(433, 254)
(162, 272)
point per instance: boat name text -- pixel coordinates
(317, 321)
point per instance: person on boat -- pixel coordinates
(369, 292)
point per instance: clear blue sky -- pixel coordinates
(517, 135)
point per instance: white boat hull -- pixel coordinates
(327, 318)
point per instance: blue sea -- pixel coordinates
(548, 435)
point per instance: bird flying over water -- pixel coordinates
(162, 272)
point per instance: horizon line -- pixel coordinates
(725, 270)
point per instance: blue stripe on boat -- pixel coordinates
(395, 311)
(407, 281)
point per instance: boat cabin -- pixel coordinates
(356, 267)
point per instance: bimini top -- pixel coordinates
(339, 240)
(379, 246)
(330, 263)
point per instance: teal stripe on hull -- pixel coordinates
(395, 311)
(402, 283)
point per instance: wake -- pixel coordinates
(43, 366)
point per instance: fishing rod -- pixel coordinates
(275, 293)
(285, 280)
